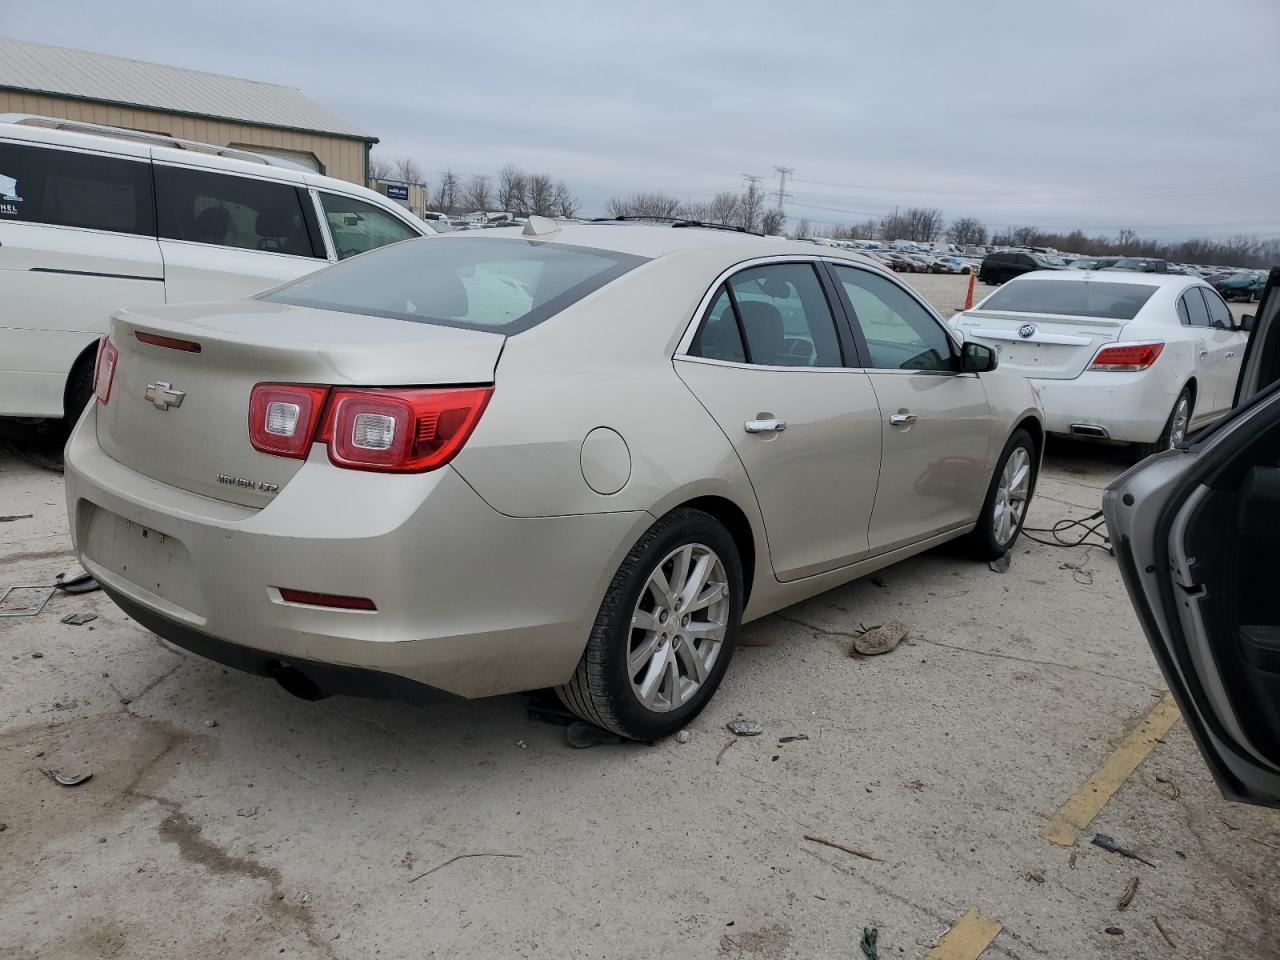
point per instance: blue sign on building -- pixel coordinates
(398, 191)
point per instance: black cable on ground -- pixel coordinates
(1090, 537)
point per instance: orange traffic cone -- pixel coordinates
(968, 299)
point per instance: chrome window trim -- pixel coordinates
(330, 251)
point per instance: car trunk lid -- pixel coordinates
(1041, 345)
(180, 416)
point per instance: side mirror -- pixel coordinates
(1248, 322)
(977, 358)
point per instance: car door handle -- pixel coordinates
(903, 419)
(765, 426)
(1204, 354)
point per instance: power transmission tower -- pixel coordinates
(783, 173)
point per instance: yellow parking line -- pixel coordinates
(967, 940)
(1074, 815)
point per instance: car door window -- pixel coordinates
(1219, 313)
(1197, 312)
(718, 336)
(899, 332)
(231, 211)
(784, 315)
(69, 189)
(357, 226)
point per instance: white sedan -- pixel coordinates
(1133, 357)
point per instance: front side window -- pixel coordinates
(785, 317)
(501, 284)
(68, 189)
(900, 334)
(1219, 312)
(231, 211)
(357, 226)
(1197, 312)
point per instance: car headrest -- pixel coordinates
(212, 225)
(763, 325)
(442, 294)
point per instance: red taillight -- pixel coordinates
(402, 430)
(104, 369)
(283, 418)
(326, 600)
(1126, 356)
(172, 343)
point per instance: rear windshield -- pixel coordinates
(501, 284)
(1071, 298)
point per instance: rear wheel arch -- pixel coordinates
(1035, 428)
(734, 520)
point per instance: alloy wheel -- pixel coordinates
(678, 627)
(1012, 493)
(1179, 422)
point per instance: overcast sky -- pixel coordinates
(1163, 116)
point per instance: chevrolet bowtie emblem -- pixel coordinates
(162, 394)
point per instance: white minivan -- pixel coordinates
(95, 218)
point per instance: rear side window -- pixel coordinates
(69, 189)
(231, 211)
(358, 227)
(785, 316)
(719, 337)
(1071, 298)
(1197, 312)
(501, 284)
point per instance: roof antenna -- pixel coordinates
(540, 227)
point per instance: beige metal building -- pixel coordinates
(227, 111)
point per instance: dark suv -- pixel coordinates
(999, 267)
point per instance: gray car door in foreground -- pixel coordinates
(1197, 536)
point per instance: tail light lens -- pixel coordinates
(283, 418)
(104, 369)
(402, 431)
(1126, 356)
(394, 430)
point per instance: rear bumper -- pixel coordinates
(1130, 407)
(469, 600)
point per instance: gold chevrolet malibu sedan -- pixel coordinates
(577, 456)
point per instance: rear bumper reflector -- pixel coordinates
(335, 600)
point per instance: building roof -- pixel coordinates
(61, 71)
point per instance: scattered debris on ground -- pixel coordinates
(16, 516)
(864, 854)
(727, 745)
(878, 581)
(65, 779)
(682, 736)
(1126, 898)
(464, 856)
(581, 735)
(1036, 876)
(1001, 563)
(1174, 792)
(1161, 930)
(247, 812)
(79, 619)
(869, 937)
(34, 607)
(793, 738)
(1108, 844)
(1115, 931)
(881, 639)
(81, 583)
(744, 728)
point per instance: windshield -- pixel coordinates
(1072, 298)
(502, 284)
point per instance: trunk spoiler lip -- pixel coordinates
(978, 313)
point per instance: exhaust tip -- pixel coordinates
(1089, 430)
(296, 682)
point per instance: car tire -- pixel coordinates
(604, 689)
(79, 391)
(1175, 428)
(1004, 511)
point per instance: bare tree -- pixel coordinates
(447, 194)
(478, 195)
(751, 206)
(924, 224)
(379, 168)
(773, 222)
(1024, 236)
(513, 187)
(542, 195)
(803, 230)
(566, 204)
(407, 169)
(867, 230)
(725, 207)
(655, 205)
(967, 230)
